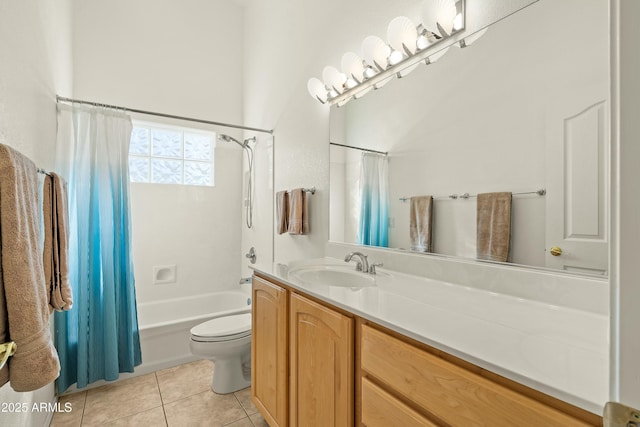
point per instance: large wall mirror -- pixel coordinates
(524, 108)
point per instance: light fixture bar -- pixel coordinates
(401, 54)
(433, 48)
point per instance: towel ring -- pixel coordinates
(9, 349)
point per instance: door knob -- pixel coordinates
(555, 251)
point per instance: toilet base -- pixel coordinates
(229, 375)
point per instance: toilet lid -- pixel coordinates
(235, 326)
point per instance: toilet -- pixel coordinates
(227, 341)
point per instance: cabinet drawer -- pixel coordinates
(380, 409)
(449, 392)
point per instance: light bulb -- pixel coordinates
(422, 42)
(457, 22)
(395, 57)
(369, 72)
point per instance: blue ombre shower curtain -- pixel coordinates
(374, 200)
(98, 338)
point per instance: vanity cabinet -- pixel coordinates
(317, 365)
(269, 348)
(321, 365)
(410, 385)
(301, 359)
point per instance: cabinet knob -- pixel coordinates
(555, 251)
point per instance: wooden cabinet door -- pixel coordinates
(269, 352)
(321, 363)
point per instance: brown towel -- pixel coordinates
(24, 303)
(305, 213)
(56, 242)
(298, 212)
(282, 212)
(420, 218)
(494, 226)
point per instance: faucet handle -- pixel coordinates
(372, 267)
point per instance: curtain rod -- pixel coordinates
(358, 148)
(169, 116)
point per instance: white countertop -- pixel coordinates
(560, 351)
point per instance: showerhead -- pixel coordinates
(228, 138)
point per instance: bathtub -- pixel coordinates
(164, 325)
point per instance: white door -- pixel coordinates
(577, 183)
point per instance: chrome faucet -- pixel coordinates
(363, 264)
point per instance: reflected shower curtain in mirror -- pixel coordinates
(98, 338)
(373, 229)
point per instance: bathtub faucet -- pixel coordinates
(245, 280)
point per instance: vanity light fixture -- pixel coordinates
(407, 47)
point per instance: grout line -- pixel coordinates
(166, 421)
(84, 405)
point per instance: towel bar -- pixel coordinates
(7, 350)
(311, 190)
(540, 192)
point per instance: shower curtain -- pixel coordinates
(98, 338)
(373, 229)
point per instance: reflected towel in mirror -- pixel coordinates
(420, 220)
(493, 226)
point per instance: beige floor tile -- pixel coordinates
(258, 420)
(204, 409)
(245, 422)
(121, 399)
(185, 380)
(244, 396)
(175, 368)
(74, 415)
(151, 418)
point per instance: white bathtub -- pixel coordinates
(164, 325)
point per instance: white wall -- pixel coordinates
(35, 64)
(183, 58)
(195, 228)
(161, 55)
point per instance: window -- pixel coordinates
(171, 155)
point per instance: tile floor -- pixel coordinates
(179, 396)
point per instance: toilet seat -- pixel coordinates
(224, 328)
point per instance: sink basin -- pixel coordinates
(332, 275)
